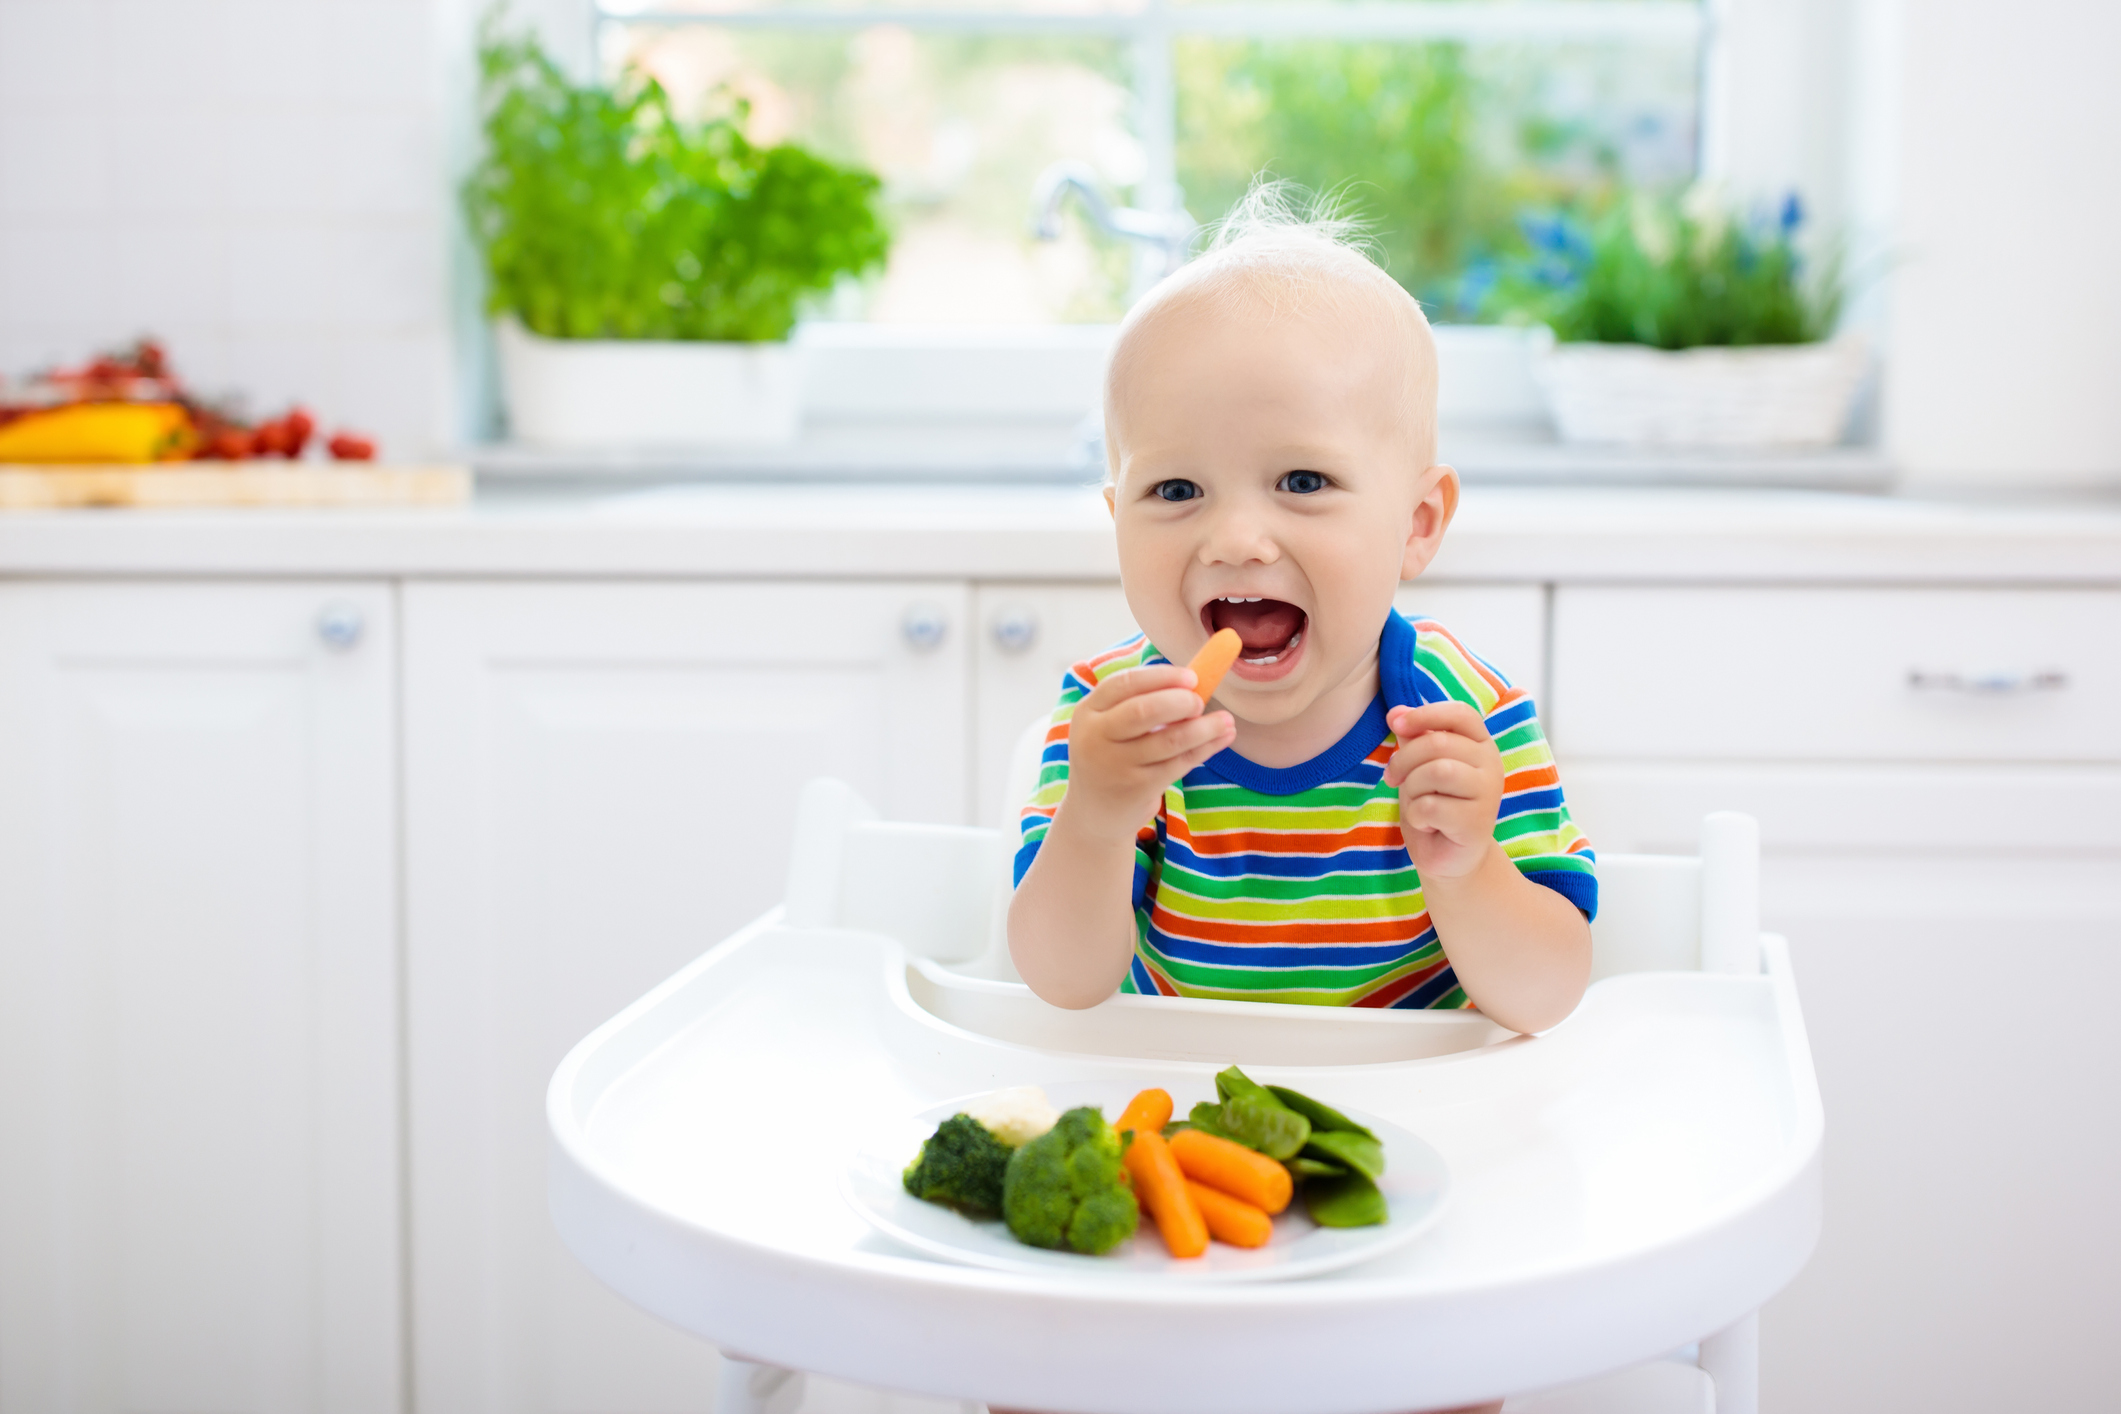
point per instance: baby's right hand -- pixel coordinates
(1139, 731)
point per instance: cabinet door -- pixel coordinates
(601, 784)
(198, 997)
(1030, 634)
(1838, 674)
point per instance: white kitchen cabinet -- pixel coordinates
(1934, 774)
(1839, 673)
(199, 1177)
(1030, 634)
(601, 783)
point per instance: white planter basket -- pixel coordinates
(581, 393)
(1788, 395)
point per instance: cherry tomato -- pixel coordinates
(352, 447)
(228, 444)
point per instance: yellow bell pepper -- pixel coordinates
(99, 432)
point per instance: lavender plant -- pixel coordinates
(1669, 272)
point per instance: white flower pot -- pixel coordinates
(624, 392)
(1780, 395)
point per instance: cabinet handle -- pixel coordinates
(1987, 684)
(1015, 630)
(925, 626)
(339, 626)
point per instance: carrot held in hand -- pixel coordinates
(1151, 1109)
(1233, 1168)
(1161, 1189)
(1230, 1220)
(1214, 659)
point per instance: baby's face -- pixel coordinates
(1270, 477)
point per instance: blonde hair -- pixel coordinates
(1282, 240)
(1282, 251)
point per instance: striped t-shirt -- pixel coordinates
(1293, 884)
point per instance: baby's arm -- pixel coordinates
(1521, 950)
(1071, 924)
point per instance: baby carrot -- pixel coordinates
(1161, 1188)
(1230, 1220)
(1233, 1168)
(1151, 1109)
(1214, 659)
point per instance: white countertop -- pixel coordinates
(824, 529)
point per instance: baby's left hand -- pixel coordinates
(1450, 777)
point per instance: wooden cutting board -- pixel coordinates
(173, 484)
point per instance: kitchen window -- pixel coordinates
(1441, 120)
(1438, 121)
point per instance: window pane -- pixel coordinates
(1439, 146)
(958, 127)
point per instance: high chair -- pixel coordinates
(1628, 1189)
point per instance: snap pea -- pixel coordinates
(1232, 1082)
(1321, 1116)
(1208, 1117)
(1266, 1125)
(1358, 1151)
(1350, 1200)
(1304, 1166)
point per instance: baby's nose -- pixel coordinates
(1236, 537)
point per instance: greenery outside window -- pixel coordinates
(1441, 121)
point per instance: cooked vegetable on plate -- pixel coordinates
(1069, 1181)
(1067, 1188)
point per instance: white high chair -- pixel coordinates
(1659, 1179)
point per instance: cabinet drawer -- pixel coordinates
(1837, 674)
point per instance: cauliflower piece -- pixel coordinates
(1015, 1116)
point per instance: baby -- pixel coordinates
(1369, 816)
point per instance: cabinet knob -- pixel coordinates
(339, 626)
(925, 626)
(1015, 629)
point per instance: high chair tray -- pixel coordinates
(1642, 1176)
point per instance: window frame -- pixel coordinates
(1497, 397)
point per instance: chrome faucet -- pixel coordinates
(1165, 237)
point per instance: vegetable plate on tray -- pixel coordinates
(1260, 1183)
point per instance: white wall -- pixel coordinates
(2005, 309)
(259, 182)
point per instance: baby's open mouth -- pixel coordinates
(1269, 628)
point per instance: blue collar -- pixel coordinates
(1398, 685)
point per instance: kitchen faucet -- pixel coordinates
(1163, 236)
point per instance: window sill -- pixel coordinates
(1059, 453)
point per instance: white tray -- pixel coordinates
(1642, 1176)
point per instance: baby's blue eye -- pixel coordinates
(1177, 490)
(1303, 483)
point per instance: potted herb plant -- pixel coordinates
(1676, 323)
(647, 272)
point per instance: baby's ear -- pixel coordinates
(1111, 500)
(1432, 517)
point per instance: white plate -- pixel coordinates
(1414, 1185)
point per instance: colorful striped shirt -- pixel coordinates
(1293, 884)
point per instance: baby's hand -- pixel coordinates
(1449, 776)
(1136, 734)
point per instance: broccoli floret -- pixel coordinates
(1067, 1187)
(960, 1166)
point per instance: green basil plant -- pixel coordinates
(601, 215)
